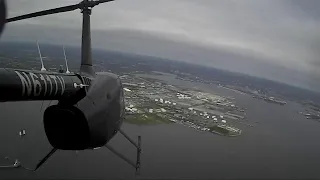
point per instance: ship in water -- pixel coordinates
(273, 100)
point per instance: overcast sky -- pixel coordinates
(275, 39)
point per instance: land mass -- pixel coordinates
(147, 89)
(145, 119)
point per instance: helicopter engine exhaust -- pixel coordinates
(90, 122)
(66, 127)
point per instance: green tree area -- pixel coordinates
(145, 119)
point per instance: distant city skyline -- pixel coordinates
(277, 40)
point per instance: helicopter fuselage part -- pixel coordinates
(22, 85)
(86, 116)
(92, 121)
(90, 107)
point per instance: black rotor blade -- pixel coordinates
(45, 12)
(103, 1)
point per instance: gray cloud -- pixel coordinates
(237, 35)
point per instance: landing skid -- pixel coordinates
(17, 164)
(137, 164)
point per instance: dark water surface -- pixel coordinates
(283, 144)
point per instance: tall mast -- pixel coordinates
(42, 66)
(86, 54)
(86, 67)
(65, 59)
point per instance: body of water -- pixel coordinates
(282, 144)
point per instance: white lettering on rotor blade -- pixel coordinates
(62, 84)
(55, 81)
(45, 84)
(48, 79)
(36, 84)
(25, 82)
(32, 86)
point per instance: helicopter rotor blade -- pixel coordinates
(45, 12)
(94, 3)
(58, 10)
(103, 1)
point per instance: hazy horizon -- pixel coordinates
(276, 40)
(129, 54)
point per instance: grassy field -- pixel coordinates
(146, 119)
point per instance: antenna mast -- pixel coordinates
(86, 54)
(65, 58)
(42, 66)
(86, 67)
